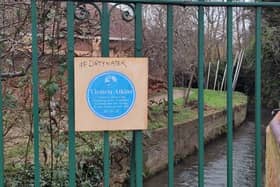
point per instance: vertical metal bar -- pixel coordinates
(229, 96)
(71, 114)
(200, 96)
(258, 159)
(139, 158)
(170, 95)
(106, 158)
(138, 133)
(35, 93)
(132, 180)
(105, 26)
(1, 130)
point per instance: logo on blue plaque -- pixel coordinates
(110, 95)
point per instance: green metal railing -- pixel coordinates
(258, 157)
(136, 175)
(229, 96)
(70, 69)
(200, 47)
(1, 132)
(170, 95)
(35, 94)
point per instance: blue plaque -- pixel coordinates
(110, 95)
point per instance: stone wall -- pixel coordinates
(185, 138)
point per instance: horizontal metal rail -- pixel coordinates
(187, 3)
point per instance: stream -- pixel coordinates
(185, 173)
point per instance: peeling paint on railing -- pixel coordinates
(275, 127)
(272, 175)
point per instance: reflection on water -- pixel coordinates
(215, 162)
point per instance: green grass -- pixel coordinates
(214, 100)
(217, 99)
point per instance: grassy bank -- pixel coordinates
(213, 100)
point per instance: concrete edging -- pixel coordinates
(185, 138)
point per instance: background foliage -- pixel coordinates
(270, 61)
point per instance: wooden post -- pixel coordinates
(225, 72)
(208, 76)
(224, 75)
(238, 61)
(187, 93)
(238, 70)
(216, 75)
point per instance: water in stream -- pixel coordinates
(215, 162)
